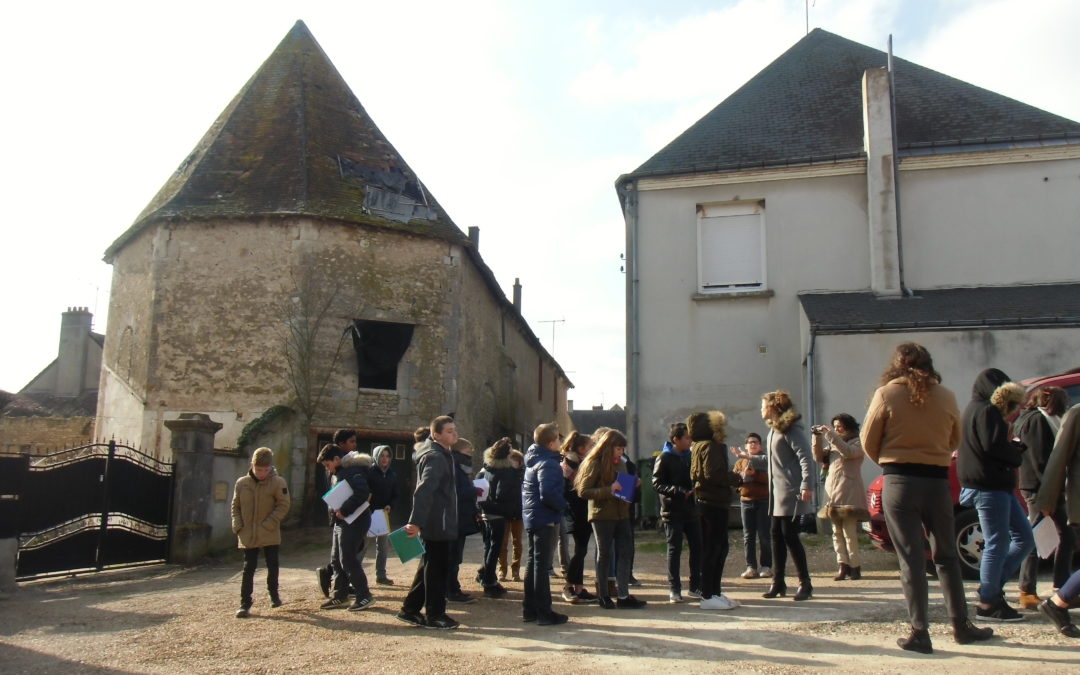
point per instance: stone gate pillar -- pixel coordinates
(193, 452)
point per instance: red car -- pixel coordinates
(969, 538)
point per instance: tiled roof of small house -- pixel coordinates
(806, 107)
(1045, 305)
(296, 141)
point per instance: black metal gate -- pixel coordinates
(88, 508)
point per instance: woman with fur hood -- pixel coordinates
(503, 504)
(986, 467)
(713, 481)
(839, 450)
(791, 489)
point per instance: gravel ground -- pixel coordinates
(173, 619)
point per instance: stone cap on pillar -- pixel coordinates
(188, 427)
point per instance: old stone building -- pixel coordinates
(56, 408)
(294, 276)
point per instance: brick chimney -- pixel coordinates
(71, 357)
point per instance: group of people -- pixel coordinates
(564, 492)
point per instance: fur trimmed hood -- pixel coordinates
(707, 426)
(1007, 398)
(786, 419)
(505, 463)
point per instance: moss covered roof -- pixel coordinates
(296, 141)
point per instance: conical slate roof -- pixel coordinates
(806, 106)
(296, 141)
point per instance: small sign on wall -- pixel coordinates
(221, 491)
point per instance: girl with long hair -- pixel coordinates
(574, 451)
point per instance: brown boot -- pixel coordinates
(855, 573)
(845, 571)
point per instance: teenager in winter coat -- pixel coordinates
(678, 509)
(1037, 427)
(349, 538)
(503, 504)
(791, 489)
(382, 480)
(259, 504)
(839, 449)
(713, 484)
(576, 519)
(986, 467)
(543, 501)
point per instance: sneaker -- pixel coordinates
(629, 602)
(362, 604)
(275, 600)
(1059, 616)
(242, 613)
(1028, 601)
(460, 597)
(384, 581)
(634, 581)
(1000, 612)
(965, 632)
(720, 602)
(441, 622)
(694, 593)
(674, 597)
(413, 618)
(569, 595)
(765, 572)
(750, 573)
(333, 603)
(584, 597)
(606, 603)
(528, 618)
(323, 576)
(495, 592)
(553, 619)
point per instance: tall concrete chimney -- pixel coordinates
(880, 184)
(71, 357)
(517, 294)
(474, 236)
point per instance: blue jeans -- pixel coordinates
(1007, 540)
(755, 532)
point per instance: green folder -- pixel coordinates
(407, 548)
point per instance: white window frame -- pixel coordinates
(729, 270)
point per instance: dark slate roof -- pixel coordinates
(296, 141)
(806, 107)
(48, 405)
(588, 421)
(1048, 305)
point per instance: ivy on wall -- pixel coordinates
(257, 426)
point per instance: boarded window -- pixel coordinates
(731, 248)
(379, 347)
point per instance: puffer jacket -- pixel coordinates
(504, 479)
(542, 498)
(671, 480)
(258, 507)
(988, 457)
(354, 470)
(846, 495)
(434, 508)
(468, 511)
(709, 469)
(791, 466)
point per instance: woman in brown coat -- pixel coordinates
(840, 451)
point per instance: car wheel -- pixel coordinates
(969, 542)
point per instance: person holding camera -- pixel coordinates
(840, 453)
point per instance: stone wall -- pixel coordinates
(42, 435)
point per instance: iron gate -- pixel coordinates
(88, 508)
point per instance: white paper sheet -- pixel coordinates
(338, 495)
(484, 486)
(1046, 537)
(379, 526)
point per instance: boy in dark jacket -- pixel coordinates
(349, 538)
(384, 490)
(678, 509)
(543, 503)
(986, 467)
(434, 518)
(468, 515)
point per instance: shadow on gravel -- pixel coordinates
(20, 660)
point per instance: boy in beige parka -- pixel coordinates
(259, 504)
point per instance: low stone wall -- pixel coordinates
(42, 435)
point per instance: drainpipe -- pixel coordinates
(629, 199)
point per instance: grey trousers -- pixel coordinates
(912, 503)
(618, 531)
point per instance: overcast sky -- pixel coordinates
(518, 116)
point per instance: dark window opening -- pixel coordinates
(379, 347)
